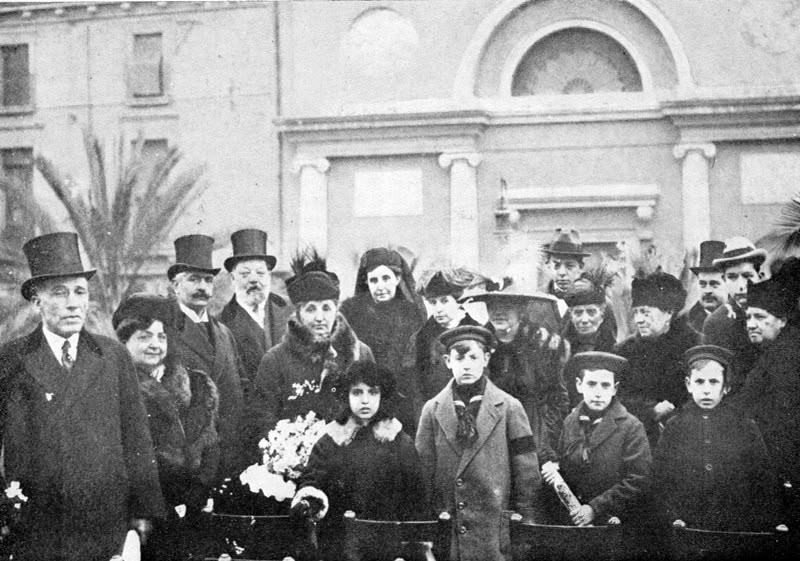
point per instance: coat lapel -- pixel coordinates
(489, 415)
(41, 363)
(196, 342)
(446, 416)
(88, 366)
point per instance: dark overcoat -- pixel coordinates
(374, 471)
(79, 444)
(696, 317)
(712, 471)
(220, 360)
(772, 395)
(656, 372)
(254, 340)
(475, 483)
(298, 376)
(611, 470)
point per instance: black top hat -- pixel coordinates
(770, 295)
(193, 253)
(249, 244)
(659, 290)
(52, 256)
(468, 333)
(709, 251)
(596, 360)
(566, 242)
(711, 352)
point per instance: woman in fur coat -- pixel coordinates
(364, 462)
(299, 374)
(182, 409)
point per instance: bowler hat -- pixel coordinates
(738, 249)
(249, 244)
(597, 360)
(770, 295)
(710, 352)
(52, 256)
(709, 251)
(566, 242)
(193, 253)
(659, 290)
(145, 305)
(468, 333)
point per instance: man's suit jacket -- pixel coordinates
(79, 444)
(222, 363)
(254, 340)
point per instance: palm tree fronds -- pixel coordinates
(784, 238)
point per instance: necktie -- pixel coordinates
(66, 358)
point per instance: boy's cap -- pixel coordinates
(467, 333)
(709, 352)
(596, 360)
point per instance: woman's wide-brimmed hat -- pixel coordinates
(739, 249)
(52, 256)
(249, 244)
(193, 254)
(566, 242)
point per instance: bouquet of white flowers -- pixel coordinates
(11, 502)
(284, 453)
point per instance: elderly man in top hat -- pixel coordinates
(740, 264)
(255, 315)
(713, 292)
(73, 426)
(203, 343)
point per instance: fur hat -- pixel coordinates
(770, 295)
(660, 290)
(311, 280)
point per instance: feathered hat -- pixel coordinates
(311, 280)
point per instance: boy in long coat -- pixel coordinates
(73, 427)
(477, 450)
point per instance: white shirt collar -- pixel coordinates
(202, 318)
(56, 342)
(258, 315)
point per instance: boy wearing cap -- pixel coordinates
(477, 450)
(711, 467)
(603, 451)
(740, 264)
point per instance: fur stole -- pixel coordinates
(194, 414)
(385, 430)
(337, 352)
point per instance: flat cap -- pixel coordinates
(467, 333)
(596, 360)
(709, 352)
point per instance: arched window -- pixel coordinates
(576, 61)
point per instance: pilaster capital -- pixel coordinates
(322, 165)
(707, 149)
(472, 158)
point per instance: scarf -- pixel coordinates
(467, 400)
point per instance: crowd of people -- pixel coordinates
(451, 392)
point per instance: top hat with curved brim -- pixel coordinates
(249, 244)
(566, 242)
(51, 256)
(193, 254)
(709, 251)
(739, 249)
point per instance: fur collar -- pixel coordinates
(342, 343)
(383, 431)
(174, 394)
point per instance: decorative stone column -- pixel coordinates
(463, 206)
(695, 192)
(313, 209)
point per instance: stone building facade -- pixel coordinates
(463, 130)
